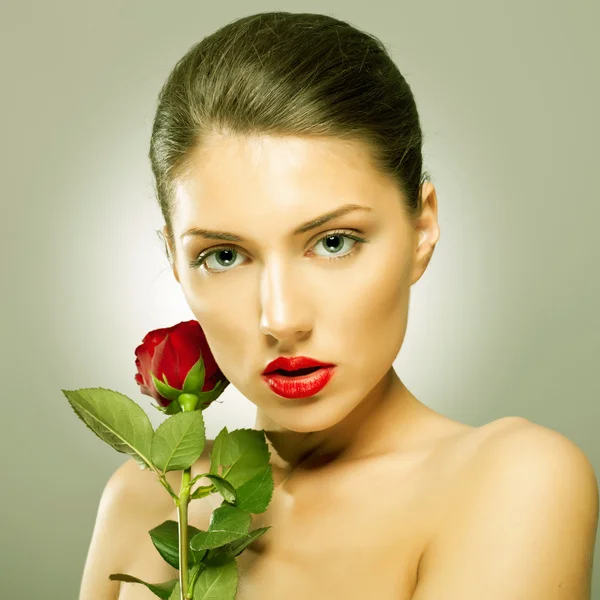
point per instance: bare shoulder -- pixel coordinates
(512, 448)
(514, 441)
(527, 493)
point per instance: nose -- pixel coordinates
(285, 312)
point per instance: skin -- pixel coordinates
(349, 311)
(364, 471)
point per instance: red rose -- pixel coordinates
(169, 354)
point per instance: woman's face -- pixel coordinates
(278, 291)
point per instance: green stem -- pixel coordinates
(166, 485)
(195, 571)
(182, 513)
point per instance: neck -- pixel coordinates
(369, 429)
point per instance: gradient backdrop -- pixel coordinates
(504, 322)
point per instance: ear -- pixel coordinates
(427, 231)
(171, 251)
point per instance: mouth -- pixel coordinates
(299, 383)
(295, 373)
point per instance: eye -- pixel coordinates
(225, 256)
(335, 241)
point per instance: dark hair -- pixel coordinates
(288, 74)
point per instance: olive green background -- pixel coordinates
(504, 322)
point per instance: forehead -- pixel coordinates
(232, 180)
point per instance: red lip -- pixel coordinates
(294, 362)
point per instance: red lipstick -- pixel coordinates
(297, 376)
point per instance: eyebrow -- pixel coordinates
(232, 237)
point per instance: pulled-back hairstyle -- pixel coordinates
(288, 74)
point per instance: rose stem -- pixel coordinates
(182, 513)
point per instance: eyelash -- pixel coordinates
(348, 233)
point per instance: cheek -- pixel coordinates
(379, 298)
(224, 319)
(372, 320)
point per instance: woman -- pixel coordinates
(287, 155)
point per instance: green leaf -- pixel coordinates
(176, 593)
(197, 556)
(236, 547)
(233, 549)
(194, 380)
(202, 491)
(164, 389)
(165, 538)
(179, 441)
(219, 454)
(115, 419)
(223, 487)
(243, 453)
(254, 495)
(162, 590)
(227, 523)
(217, 582)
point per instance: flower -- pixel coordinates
(176, 367)
(176, 362)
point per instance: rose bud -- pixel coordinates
(176, 367)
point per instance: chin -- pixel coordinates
(309, 415)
